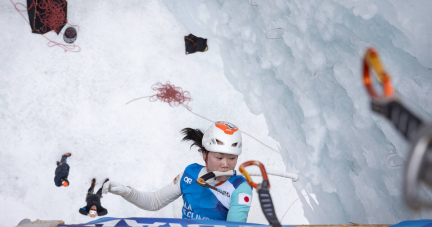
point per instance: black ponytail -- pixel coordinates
(194, 135)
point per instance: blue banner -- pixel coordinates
(176, 222)
(416, 223)
(160, 222)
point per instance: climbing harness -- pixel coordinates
(263, 192)
(419, 167)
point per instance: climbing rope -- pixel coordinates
(168, 93)
(175, 96)
(52, 17)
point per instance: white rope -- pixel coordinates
(294, 177)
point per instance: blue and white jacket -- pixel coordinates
(200, 202)
(205, 203)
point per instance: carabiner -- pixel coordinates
(263, 192)
(371, 61)
(247, 176)
(388, 105)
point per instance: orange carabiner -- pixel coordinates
(371, 61)
(247, 176)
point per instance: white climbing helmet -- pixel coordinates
(226, 133)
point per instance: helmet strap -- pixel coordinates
(206, 159)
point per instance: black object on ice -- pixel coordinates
(70, 35)
(195, 44)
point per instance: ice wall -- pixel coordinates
(298, 62)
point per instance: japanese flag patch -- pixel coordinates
(245, 199)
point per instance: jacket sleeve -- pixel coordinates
(57, 181)
(241, 200)
(155, 200)
(83, 211)
(103, 212)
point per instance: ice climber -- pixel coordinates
(220, 146)
(94, 207)
(62, 172)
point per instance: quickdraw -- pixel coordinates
(387, 104)
(263, 192)
(419, 167)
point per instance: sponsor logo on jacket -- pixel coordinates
(188, 212)
(187, 180)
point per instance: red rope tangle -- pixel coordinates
(170, 94)
(175, 96)
(52, 18)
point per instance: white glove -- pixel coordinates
(115, 188)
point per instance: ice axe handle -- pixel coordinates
(267, 204)
(404, 120)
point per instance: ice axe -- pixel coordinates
(263, 192)
(419, 167)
